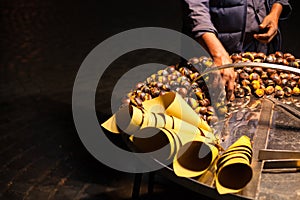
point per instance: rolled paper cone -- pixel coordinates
(208, 177)
(239, 148)
(210, 137)
(129, 119)
(185, 131)
(194, 158)
(223, 160)
(160, 120)
(152, 139)
(150, 120)
(174, 105)
(111, 125)
(180, 126)
(242, 141)
(238, 151)
(233, 176)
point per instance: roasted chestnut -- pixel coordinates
(277, 87)
(260, 55)
(270, 59)
(254, 76)
(166, 87)
(248, 55)
(259, 92)
(269, 90)
(182, 91)
(279, 93)
(255, 84)
(170, 69)
(245, 82)
(239, 92)
(296, 91)
(184, 71)
(276, 78)
(270, 71)
(247, 90)
(294, 64)
(278, 54)
(193, 102)
(269, 82)
(287, 91)
(258, 70)
(236, 57)
(244, 75)
(212, 119)
(194, 60)
(249, 70)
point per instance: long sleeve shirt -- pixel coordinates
(200, 18)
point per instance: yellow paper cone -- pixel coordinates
(129, 119)
(180, 126)
(242, 141)
(224, 159)
(152, 139)
(233, 176)
(174, 105)
(194, 158)
(237, 151)
(111, 125)
(239, 148)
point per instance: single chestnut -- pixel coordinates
(259, 92)
(269, 90)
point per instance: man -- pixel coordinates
(224, 27)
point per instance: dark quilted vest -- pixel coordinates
(229, 18)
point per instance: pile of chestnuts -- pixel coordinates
(179, 78)
(266, 81)
(184, 78)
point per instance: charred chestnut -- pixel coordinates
(244, 75)
(287, 91)
(269, 82)
(258, 70)
(239, 92)
(279, 94)
(247, 90)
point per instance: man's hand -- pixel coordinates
(220, 56)
(228, 76)
(269, 25)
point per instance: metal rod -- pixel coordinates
(275, 164)
(271, 154)
(248, 64)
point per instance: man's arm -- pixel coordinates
(220, 56)
(206, 34)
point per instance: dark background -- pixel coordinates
(43, 43)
